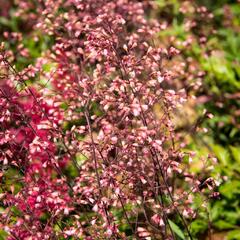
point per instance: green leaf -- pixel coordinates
(3, 235)
(80, 158)
(176, 229)
(234, 235)
(230, 189)
(199, 226)
(222, 225)
(222, 154)
(4, 21)
(216, 210)
(235, 153)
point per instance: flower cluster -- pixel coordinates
(93, 148)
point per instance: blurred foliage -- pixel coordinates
(219, 58)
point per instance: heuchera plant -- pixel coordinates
(91, 157)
